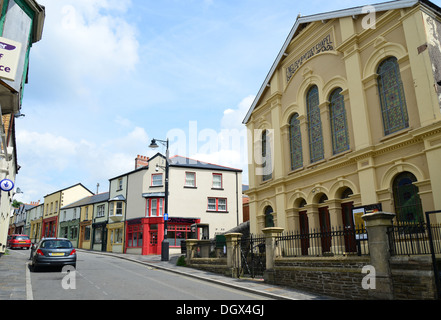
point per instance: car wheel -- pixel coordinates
(33, 266)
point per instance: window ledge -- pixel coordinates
(395, 134)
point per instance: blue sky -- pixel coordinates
(110, 75)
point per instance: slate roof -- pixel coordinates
(179, 161)
(101, 197)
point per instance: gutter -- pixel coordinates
(40, 15)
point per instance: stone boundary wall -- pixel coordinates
(215, 265)
(339, 277)
(413, 277)
(386, 277)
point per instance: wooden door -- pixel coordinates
(153, 242)
(325, 229)
(304, 232)
(349, 228)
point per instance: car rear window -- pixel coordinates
(56, 244)
(21, 238)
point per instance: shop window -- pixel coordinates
(392, 99)
(295, 142)
(98, 236)
(177, 233)
(87, 233)
(134, 236)
(74, 232)
(116, 236)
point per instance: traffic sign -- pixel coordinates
(165, 216)
(6, 185)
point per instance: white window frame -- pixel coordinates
(217, 184)
(156, 183)
(215, 205)
(190, 179)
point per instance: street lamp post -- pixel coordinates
(165, 243)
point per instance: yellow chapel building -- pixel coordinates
(348, 120)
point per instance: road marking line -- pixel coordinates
(29, 295)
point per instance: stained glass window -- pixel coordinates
(269, 217)
(266, 156)
(406, 198)
(393, 102)
(339, 128)
(295, 142)
(315, 125)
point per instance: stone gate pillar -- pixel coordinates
(233, 253)
(376, 226)
(271, 251)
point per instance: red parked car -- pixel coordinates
(19, 241)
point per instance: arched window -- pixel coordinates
(314, 125)
(406, 198)
(266, 156)
(339, 128)
(295, 142)
(392, 99)
(269, 218)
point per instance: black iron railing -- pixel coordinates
(324, 242)
(409, 238)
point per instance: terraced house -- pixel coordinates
(349, 119)
(199, 193)
(21, 25)
(54, 201)
(76, 220)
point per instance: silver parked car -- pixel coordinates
(53, 252)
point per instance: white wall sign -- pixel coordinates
(9, 57)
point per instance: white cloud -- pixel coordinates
(233, 118)
(86, 45)
(229, 146)
(45, 155)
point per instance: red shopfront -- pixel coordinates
(49, 228)
(147, 233)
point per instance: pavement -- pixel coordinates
(13, 277)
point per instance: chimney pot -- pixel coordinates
(141, 161)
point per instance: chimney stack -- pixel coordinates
(141, 161)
